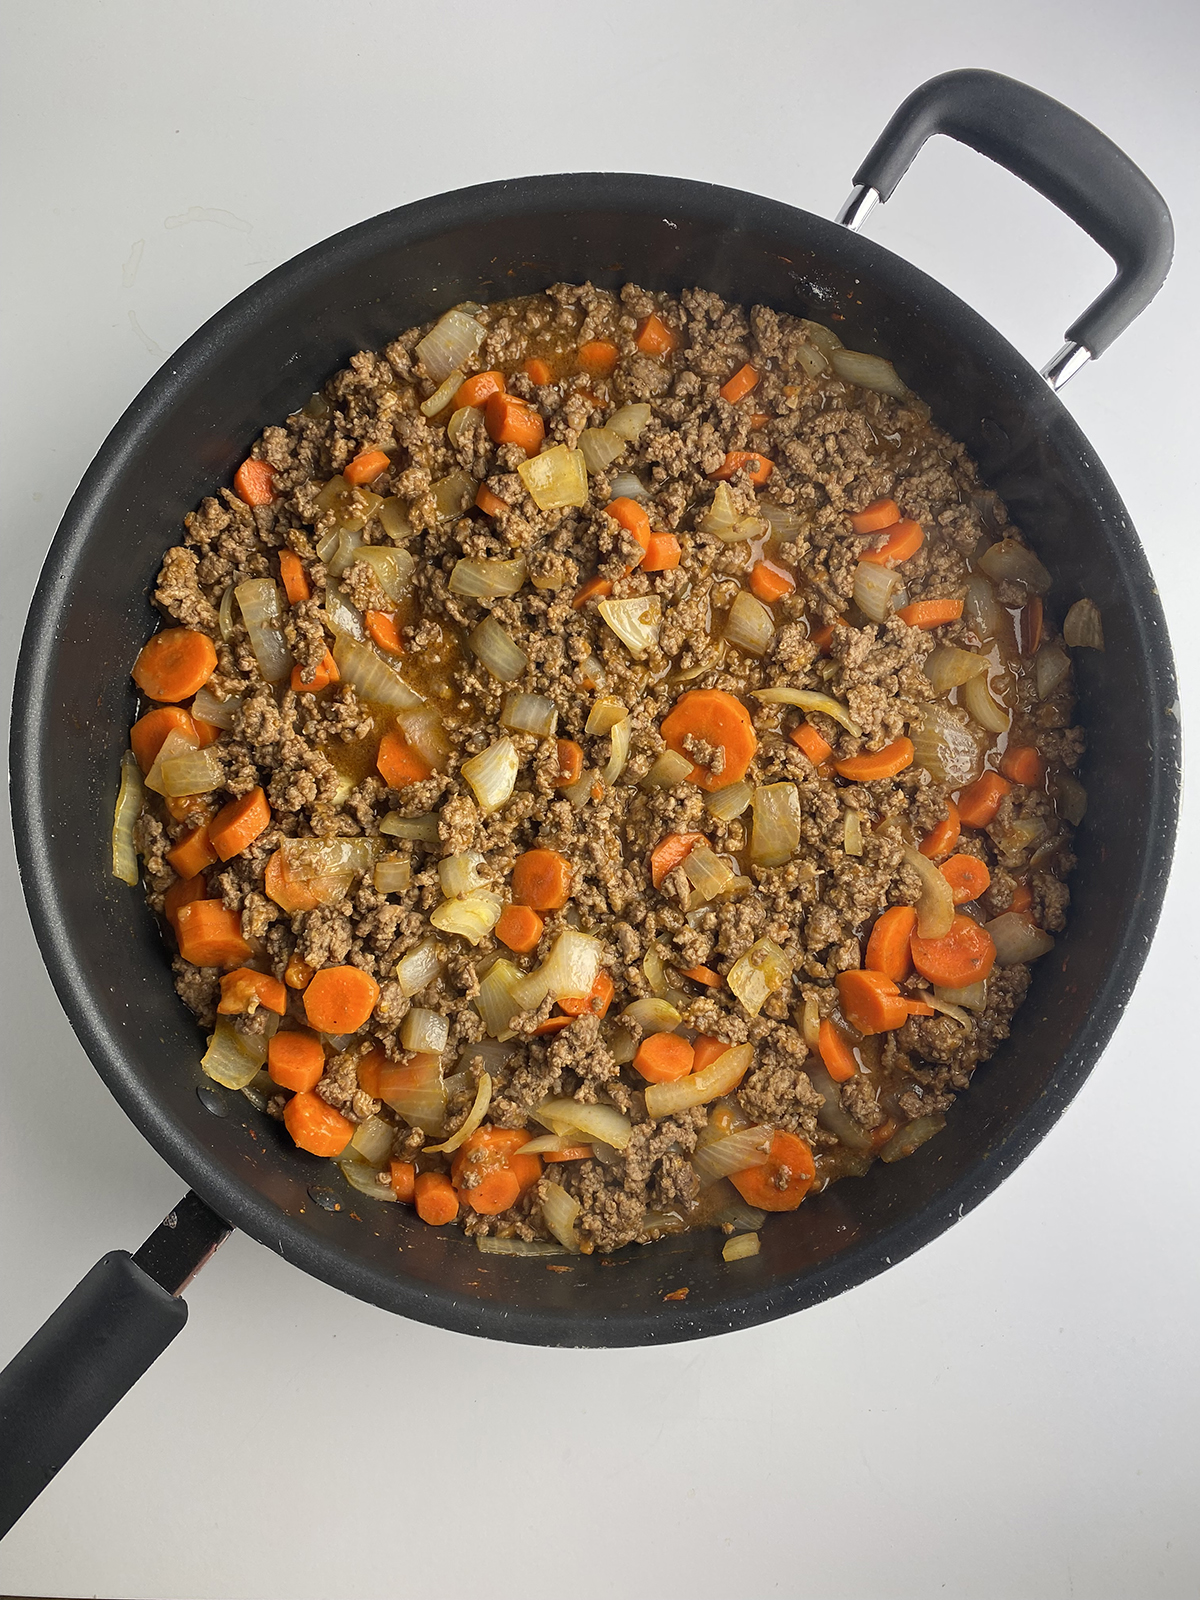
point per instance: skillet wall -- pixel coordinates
(259, 360)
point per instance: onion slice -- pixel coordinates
(868, 372)
(128, 809)
(756, 975)
(452, 342)
(371, 678)
(559, 1212)
(720, 1077)
(935, 908)
(492, 774)
(636, 622)
(1017, 939)
(809, 700)
(483, 1098)
(1083, 627)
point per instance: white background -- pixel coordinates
(1013, 1412)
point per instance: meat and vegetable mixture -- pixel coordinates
(607, 770)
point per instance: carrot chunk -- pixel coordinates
(816, 748)
(541, 879)
(403, 1176)
(654, 338)
(902, 542)
(783, 1182)
(967, 876)
(243, 988)
(979, 801)
(966, 955)
(743, 380)
(381, 625)
(340, 999)
(940, 840)
(1021, 764)
(315, 1126)
(836, 1052)
(930, 613)
(193, 853)
(490, 504)
(254, 482)
(669, 852)
(880, 514)
(719, 720)
(871, 1002)
(479, 389)
(599, 357)
(770, 583)
(704, 975)
(520, 928)
(757, 466)
(570, 763)
(236, 826)
(295, 580)
(182, 893)
(664, 1057)
(436, 1200)
(888, 947)
(539, 371)
(295, 1060)
(366, 466)
(594, 589)
(399, 764)
(174, 664)
(209, 935)
(512, 421)
(149, 733)
(707, 1050)
(885, 763)
(663, 553)
(324, 675)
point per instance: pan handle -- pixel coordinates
(109, 1330)
(1060, 155)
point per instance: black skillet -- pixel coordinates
(258, 360)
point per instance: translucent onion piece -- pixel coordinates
(485, 1055)
(749, 625)
(194, 772)
(343, 555)
(260, 1089)
(622, 1046)
(424, 1030)
(372, 1141)
(393, 568)
(1017, 939)
(218, 713)
(785, 524)
(741, 1245)
(361, 1175)
(496, 1001)
(581, 792)
(483, 1098)
(559, 1212)
(824, 338)
(832, 1116)
(1050, 670)
(557, 477)
(487, 580)
(129, 807)
(629, 421)
(568, 972)
(668, 770)
(492, 774)
(622, 734)
(421, 1099)
(600, 447)
(636, 622)
(948, 667)
(310, 859)
(652, 1015)
(232, 1059)
(852, 839)
(393, 519)
(945, 745)
(982, 611)
(720, 1077)
(258, 600)
(811, 1022)
(599, 1121)
(371, 678)
(472, 916)
(947, 1008)
(498, 652)
(1070, 798)
(460, 874)
(749, 1147)
(654, 972)
(755, 976)
(972, 998)
(530, 713)
(327, 547)
(606, 712)
(868, 372)
(1083, 627)
(875, 589)
(1010, 561)
(706, 872)
(626, 486)
(453, 495)
(487, 1244)
(393, 875)
(775, 835)
(452, 342)
(912, 1137)
(723, 516)
(424, 730)
(811, 359)
(726, 804)
(458, 421)
(546, 1142)
(418, 968)
(423, 830)
(935, 908)
(343, 617)
(981, 707)
(809, 700)
(225, 615)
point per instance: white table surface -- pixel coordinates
(1013, 1411)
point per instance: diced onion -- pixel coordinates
(982, 611)
(621, 735)
(972, 998)
(472, 916)
(442, 395)
(1017, 939)
(371, 678)
(459, 421)
(225, 615)
(945, 745)
(755, 976)
(833, 1116)
(530, 713)
(492, 774)
(948, 667)
(1083, 627)
(193, 772)
(497, 650)
(393, 568)
(569, 972)
(421, 1098)
(629, 421)
(982, 707)
(217, 713)
(868, 372)
(947, 1008)
(546, 1142)
(559, 1213)
(600, 1121)
(459, 874)
(258, 600)
(361, 1175)
(487, 580)
(453, 494)
(720, 1077)
(935, 908)
(606, 712)
(749, 625)
(628, 487)
(785, 523)
(483, 1098)
(424, 830)
(417, 970)
(749, 1147)
(393, 519)
(728, 803)
(424, 1030)
(310, 859)
(393, 875)
(818, 334)
(775, 835)
(129, 807)
(424, 730)
(452, 342)
(232, 1058)
(809, 700)
(1070, 798)
(489, 1245)
(875, 588)
(723, 516)
(496, 1001)
(669, 769)
(636, 622)
(652, 1015)
(654, 972)
(342, 555)
(810, 1022)
(557, 477)
(912, 1137)
(1050, 670)
(372, 1141)
(1010, 561)
(852, 839)
(741, 1245)
(344, 618)
(706, 872)
(600, 447)
(580, 792)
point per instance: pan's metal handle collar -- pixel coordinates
(862, 201)
(1069, 360)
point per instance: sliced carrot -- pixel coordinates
(478, 389)
(520, 928)
(242, 988)
(720, 720)
(902, 542)
(757, 466)
(573, 1152)
(783, 1182)
(707, 1051)
(770, 583)
(183, 806)
(570, 763)
(324, 675)
(930, 613)
(654, 338)
(295, 580)
(823, 637)
(918, 1008)
(541, 879)
(979, 801)
(836, 1052)
(967, 876)
(175, 664)
(366, 466)
(149, 733)
(340, 999)
(743, 380)
(663, 553)
(512, 421)
(664, 1057)
(381, 625)
(552, 1025)
(598, 1001)
(236, 826)
(1021, 763)
(182, 893)
(295, 1060)
(402, 1176)
(490, 504)
(539, 371)
(940, 840)
(436, 1200)
(292, 894)
(704, 975)
(633, 518)
(193, 853)
(399, 764)
(489, 1156)
(593, 589)
(1031, 622)
(599, 357)
(965, 956)
(297, 974)
(315, 1126)
(885, 763)
(816, 748)
(1022, 899)
(887, 948)
(880, 514)
(209, 935)
(670, 850)
(254, 482)
(871, 1002)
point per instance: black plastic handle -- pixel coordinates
(1059, 154)
(108, 1331)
